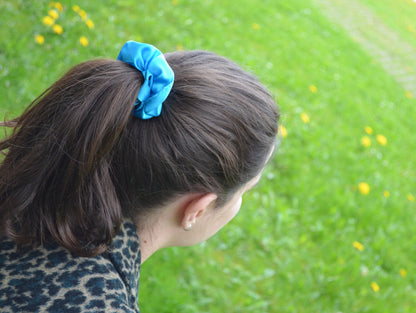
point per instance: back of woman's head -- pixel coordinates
(78, 160)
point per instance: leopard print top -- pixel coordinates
(52, 279)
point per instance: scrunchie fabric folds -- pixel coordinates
(158, 77)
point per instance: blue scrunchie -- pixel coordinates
(158, 77)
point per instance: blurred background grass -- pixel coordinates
(306, 239)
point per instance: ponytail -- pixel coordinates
(55, 179)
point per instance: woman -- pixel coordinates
(118, 159)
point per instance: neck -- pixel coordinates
(156, 232)
(148, 244)
(163, 229)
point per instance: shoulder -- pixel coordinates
(51, 279)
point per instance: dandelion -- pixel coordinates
(58, 6)
(357, 245)
(54, 14)
(256, 26)
(39, 39)
(381, 140)
(368, 130)
(305, 118)
(76, 8)
(313, 89)
(283, 131)
(48, 21)
(90, 24)
(408, 94)
(57, 29)
(174, 2)
(364, 188)
(82, 14)
(366, 141)
(403, 272)
(179, 47)
(386, 193)
(375, 286)
(83, 41)
(411, 197)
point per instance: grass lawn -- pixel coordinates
(330, 228)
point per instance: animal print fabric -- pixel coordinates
(51, 279)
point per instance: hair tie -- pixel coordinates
(158, 77)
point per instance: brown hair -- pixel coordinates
(78, 160)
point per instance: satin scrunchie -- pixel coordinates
(158, 77)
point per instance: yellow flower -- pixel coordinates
(403, 272)
(411, 197)
(411, 28)
(39, 39)
(283, 131)
(58, 6)
(313, 88)
(386, 193)
(364, 188)
(375, 286)
(179, 47)
(357, 245)
(305, 118)
(409, 94)
(54, 14)
(256, 26)
(48, 21)
(174, 2)
(76, 8)
(82, 14)
(83, 41)
(366, 141)
(90, 24)
(381, 140)
(368, 130)
(58, 29)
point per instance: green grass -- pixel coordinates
(291, 247)
(400, 15)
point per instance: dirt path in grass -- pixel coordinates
(393, 53)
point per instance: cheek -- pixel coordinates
(238, 206)
(234, 209)
(226, 214)
(221, 218)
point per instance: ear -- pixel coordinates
(195, 208)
